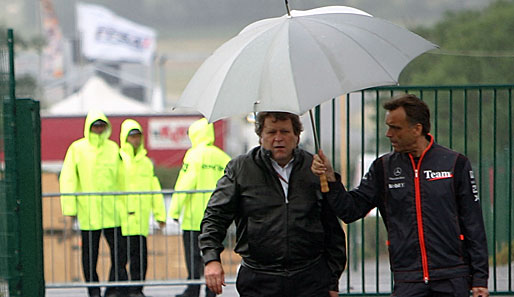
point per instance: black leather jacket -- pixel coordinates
(273, 235)
(431, 210)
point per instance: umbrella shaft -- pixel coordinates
(314, 132)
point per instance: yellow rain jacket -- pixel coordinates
(91, 165)
(138, 175)
(203, 165)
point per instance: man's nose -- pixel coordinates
(279, 137)
(388, 133)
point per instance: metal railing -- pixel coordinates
(166, 259)
(474, 120)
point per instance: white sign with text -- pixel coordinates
(169, 133)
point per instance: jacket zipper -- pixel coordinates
(421, 235)
(419, 213)
(287, 221)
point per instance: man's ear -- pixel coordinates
(419, 129)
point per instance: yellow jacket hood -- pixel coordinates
(126, 147)
(92, 116)
(201, 133)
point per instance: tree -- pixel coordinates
(476, 48)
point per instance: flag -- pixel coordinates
(106, 36)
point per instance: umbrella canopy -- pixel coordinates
(295, 62)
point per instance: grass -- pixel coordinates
(502, 256)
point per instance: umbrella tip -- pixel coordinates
(287, 8)
(255, 106)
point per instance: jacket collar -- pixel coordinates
(265, 156)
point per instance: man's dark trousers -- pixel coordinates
(453, 287)
(138, 257)
(194, 263)
(313, 281)
(90, 246)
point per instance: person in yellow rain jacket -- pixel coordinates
(203, 165)
(91, 165)
(138, 175)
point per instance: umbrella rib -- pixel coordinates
(269, 51)
(313, 36)
(357, 43)
(232, 62)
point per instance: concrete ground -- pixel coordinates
(354, 278)
(149, 291)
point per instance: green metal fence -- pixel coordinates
(21, 251)
(474, 120)
(4, 213)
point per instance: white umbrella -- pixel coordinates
(295, 62)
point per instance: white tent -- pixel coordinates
(97, 94)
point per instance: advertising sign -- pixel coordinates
(168, 133)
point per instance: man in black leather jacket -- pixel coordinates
(429, 203)
(290, 242)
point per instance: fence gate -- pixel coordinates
(21, 249)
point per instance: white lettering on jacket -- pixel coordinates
(435, 175)
(396, 186)
(474, 188)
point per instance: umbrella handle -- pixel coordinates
(324, 183)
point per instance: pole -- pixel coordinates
(323, 178)
(287, 8)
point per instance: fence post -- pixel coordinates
(28, 176)
(11, 202)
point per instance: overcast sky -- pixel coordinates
(177, 17)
